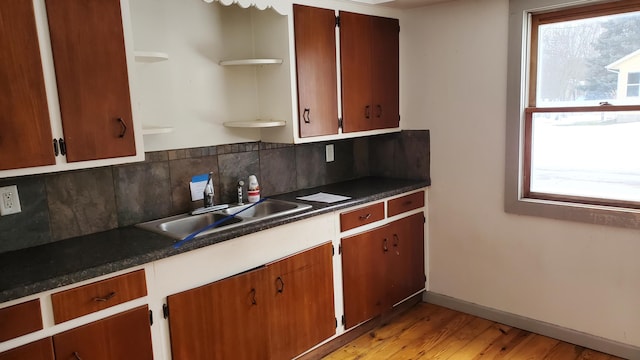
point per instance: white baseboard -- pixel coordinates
(539, 327)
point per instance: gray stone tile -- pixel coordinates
(235, 167)
(382, 150)
(343, 166)
(278, 170)
(31, 226)
(213, 150)
(142, 192)
(156, 156)
(412, 157)
(181, 173)
(177, 154)
(361, 156)
(310, 165)
(81, 202)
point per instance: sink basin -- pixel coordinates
(265, 209)
(180, 226)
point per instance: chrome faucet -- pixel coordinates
(209, 195)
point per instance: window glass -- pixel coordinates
(581, 62)
(583, 122)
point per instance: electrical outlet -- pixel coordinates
(329, 153)
(9, 200)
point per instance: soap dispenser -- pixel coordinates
(253, 192)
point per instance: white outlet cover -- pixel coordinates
(9, 194)
(329, 153)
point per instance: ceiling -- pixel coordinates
(400, 4)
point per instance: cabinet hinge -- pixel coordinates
(343, 320)
(340, 123)
(336, 322)
(340, 249)
(165, 311)
(337, 21)
(333, 250)
(150, 317)
(424, 220)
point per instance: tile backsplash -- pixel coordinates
(62, 205)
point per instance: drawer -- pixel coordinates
(38, 350)
(83, 300)
(20, 319)
(366, 215)
(406, 203)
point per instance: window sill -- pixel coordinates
(591, 214)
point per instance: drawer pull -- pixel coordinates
(280, 284)
(253, 297)
(76, 356)
(365, 217)
(407, 203)
(105, 298)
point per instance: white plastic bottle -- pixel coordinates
(253, 192)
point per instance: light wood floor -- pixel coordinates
(428, 331)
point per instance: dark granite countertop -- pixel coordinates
(33, 270)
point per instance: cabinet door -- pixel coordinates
(91, 73)
(25, 130)
(38, 350)
(364, 258)
(406, 268)
(315, 44)
(223, 320)
(385, 73)
(123, 336)
(303, 312)
(356, 69)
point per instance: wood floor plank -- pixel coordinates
(502, 346)
(564, 351)
(428, 332)
(421, 332)
(536, 348)
(480, 343)
(457, 340)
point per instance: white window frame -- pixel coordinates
(517, 94)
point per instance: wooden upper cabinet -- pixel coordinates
(87, 41)
(369, 55)
(315, 46)
(25, 127)
(303, 312)
(385, 73)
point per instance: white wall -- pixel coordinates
(579, 276)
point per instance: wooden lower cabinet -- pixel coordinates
(126, 335)
(303, 312)
(37, 350)
(274, 312)
(382, 267)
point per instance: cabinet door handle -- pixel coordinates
(396, 243)
(63, 147)
(306, 115)
(76, 356)
(123, 127)
(385, 246)
(253, 297)
(280, 285)
(379, 112)
(55, 147)
(365, 217)
(367, 112)
(105, 298)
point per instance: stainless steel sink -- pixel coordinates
(265, 209)
(180, 226)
